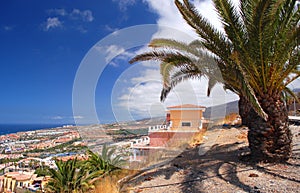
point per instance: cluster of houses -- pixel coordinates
(181, 124)
(21, 175)
(21, 180)
(24, 141)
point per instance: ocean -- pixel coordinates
(14, 128)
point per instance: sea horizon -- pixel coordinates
(9, 128)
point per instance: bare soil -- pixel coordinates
(220, 169)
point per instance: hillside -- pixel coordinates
(220, 169)
(219, 111)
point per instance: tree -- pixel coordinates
(43, 171)
(257, 55)
(70, 177)
(104, 163)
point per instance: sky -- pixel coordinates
(67, 61)
(42, 45)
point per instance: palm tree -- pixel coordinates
(104, 163)
(70, 177)
(258, 56)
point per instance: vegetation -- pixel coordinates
(81, 176)
(43, 171)
(104, 163)
(256, 57)
(68, 178)
(7, 160)
(135, 132)
(64, 147)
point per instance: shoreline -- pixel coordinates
(7, 128)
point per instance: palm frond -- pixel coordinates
(182, 74)
(291, 93)
(248, 91)
(211, 38)
(257, 55)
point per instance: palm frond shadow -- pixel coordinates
(221, 162)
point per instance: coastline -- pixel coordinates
(11, 128)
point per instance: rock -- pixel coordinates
(253, 175)
(148, 178)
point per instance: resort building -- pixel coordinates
(13, 181)
(1, 183)
(185, 117)
(182, 122)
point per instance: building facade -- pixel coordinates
(182, 123)
(185, 117)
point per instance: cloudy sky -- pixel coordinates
(62, 60)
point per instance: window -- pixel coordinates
(186, 124)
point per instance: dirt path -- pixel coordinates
(220, 170)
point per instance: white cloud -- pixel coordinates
(171, 17)
(78, 117)
(168, 16)
(82, 29)
(8, 28)
(85, 15)
(61, 12)
(123, 4)
(66, 118)
(137, 91)
(52, 23)
(59, 15)
(142, 98)
(110, 29)
(114, 53)
(57, 118)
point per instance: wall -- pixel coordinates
(179, 116)
(171, 139)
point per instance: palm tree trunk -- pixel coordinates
(244, 110)
(270, 140)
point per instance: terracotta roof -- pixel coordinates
(10, 174)
(41, 178)
(22, 177)
(185, 106)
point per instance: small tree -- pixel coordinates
(70, 177)
(104, 163)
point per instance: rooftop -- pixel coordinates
(186, 106)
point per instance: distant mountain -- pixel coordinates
(214, 112)
(296, 90)
(146, 121)
(220, 111)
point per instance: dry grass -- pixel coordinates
(197, 139)
(109, 183)
(230, 118)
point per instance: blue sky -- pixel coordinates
(42, 45)
(46, 46)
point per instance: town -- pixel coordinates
(24, 154)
